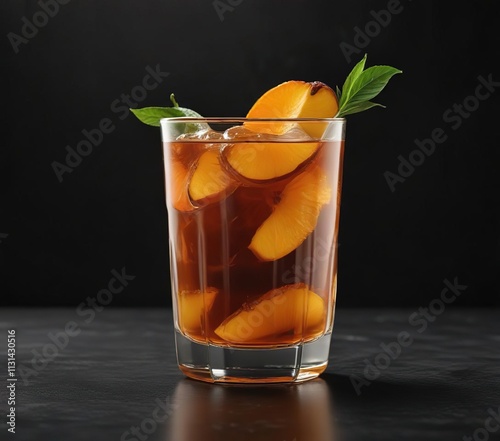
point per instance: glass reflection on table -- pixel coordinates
(207, 412)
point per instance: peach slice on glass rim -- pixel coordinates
(280, 156)
(295, 99)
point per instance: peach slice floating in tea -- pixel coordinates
(294, 217)
(181, 158)
(209, 179)
(192, 308)
(177, 180)
(261, 162)
(291, 308)
(196, 175)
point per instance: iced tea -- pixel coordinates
(253, 222)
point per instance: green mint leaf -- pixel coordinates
(152, 115)
(351, 78)
(349, 109)
(363, 85)
(371, 82)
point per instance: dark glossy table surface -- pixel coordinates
(118, 380)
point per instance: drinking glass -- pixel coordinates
(253, 212)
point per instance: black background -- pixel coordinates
(59, 241)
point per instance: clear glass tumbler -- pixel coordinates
(253, 210)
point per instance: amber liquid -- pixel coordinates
(209, 248)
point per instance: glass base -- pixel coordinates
(217, 364)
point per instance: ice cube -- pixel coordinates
(289, 131)
(210, 135)
(295, 133)
(242, 133)
(238, 132)
(201, 135)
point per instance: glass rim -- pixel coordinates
(227, 119)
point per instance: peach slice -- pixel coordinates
(294, 217)
(209, 178)
(179, 159)
(286, 309)
(295, 99)
(192, 308)
(177, 182)
(265, 161)
(279, 157)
